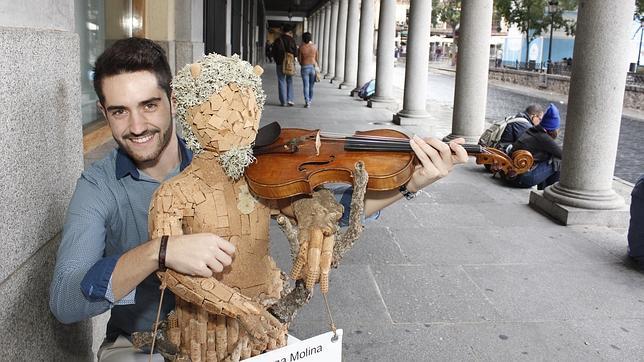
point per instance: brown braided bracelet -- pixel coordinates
(162, 249)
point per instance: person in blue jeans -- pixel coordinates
(284, 44)
(636, 227)
(540, 141)
(308, 58)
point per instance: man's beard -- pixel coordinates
(161, 144)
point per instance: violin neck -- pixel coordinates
(365, 144)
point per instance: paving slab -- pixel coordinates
(561, 292)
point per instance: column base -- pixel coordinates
(337, 79)
(585, 199)
(346, 85)
(468, 139)
(354, 93)
(408, 118)
(383, 103)
(329, 76)
(570, 215)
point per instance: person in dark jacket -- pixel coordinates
(284, 44)
(532, 114)
(636, 227)
(540, 141)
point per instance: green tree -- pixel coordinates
(449, 12)
(531, 17)
(435, 13)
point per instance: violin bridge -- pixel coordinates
(318, 143)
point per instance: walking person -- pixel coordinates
(283, 45)
(268, 51)
(308, 58)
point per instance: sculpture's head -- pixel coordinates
(219, 105)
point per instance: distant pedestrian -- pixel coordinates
(539, 140)
(499, 57)
(283, 45)
(396, 51)
(268, 51)
(636, 227)
(308, 57)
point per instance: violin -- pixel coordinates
(294, 161)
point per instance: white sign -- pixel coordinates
(322, 348)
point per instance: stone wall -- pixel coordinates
(42, 157)
(633, 95)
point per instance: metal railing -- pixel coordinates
(558, 68)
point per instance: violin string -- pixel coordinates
(383, 141)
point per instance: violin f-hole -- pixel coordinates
(302, 166)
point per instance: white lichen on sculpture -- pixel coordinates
(216, 72)
(235, 161)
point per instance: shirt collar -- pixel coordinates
(125, 165)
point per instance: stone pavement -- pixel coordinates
(467, 271)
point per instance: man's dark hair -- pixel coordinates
(306, 37)
(534, 109)
(132, 55)
(286, 28)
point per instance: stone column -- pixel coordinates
(470, 95)
(327, 38)
(323, 38)
(384, 97)
(188, 30)
(351, 49)
(365, 51)
(333, 38)
(415, 97)
(41, 138)
(585, 193)
(341, 41)
(314, 30)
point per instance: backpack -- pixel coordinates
(288, 65)
(491, 137)
(367, 90)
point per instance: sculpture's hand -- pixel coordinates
(218, 298)
(317, 219)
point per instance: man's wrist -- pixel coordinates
(408, 194)
(411, 187)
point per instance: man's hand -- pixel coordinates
(199, 254)
(436, 160)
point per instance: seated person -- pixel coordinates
(514, 129)
(636, 228)
(539, 140)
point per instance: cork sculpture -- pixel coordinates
(245, 310)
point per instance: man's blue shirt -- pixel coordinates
(107, 216)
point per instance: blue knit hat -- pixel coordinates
(551, 120)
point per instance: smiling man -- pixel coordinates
(106, 260)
